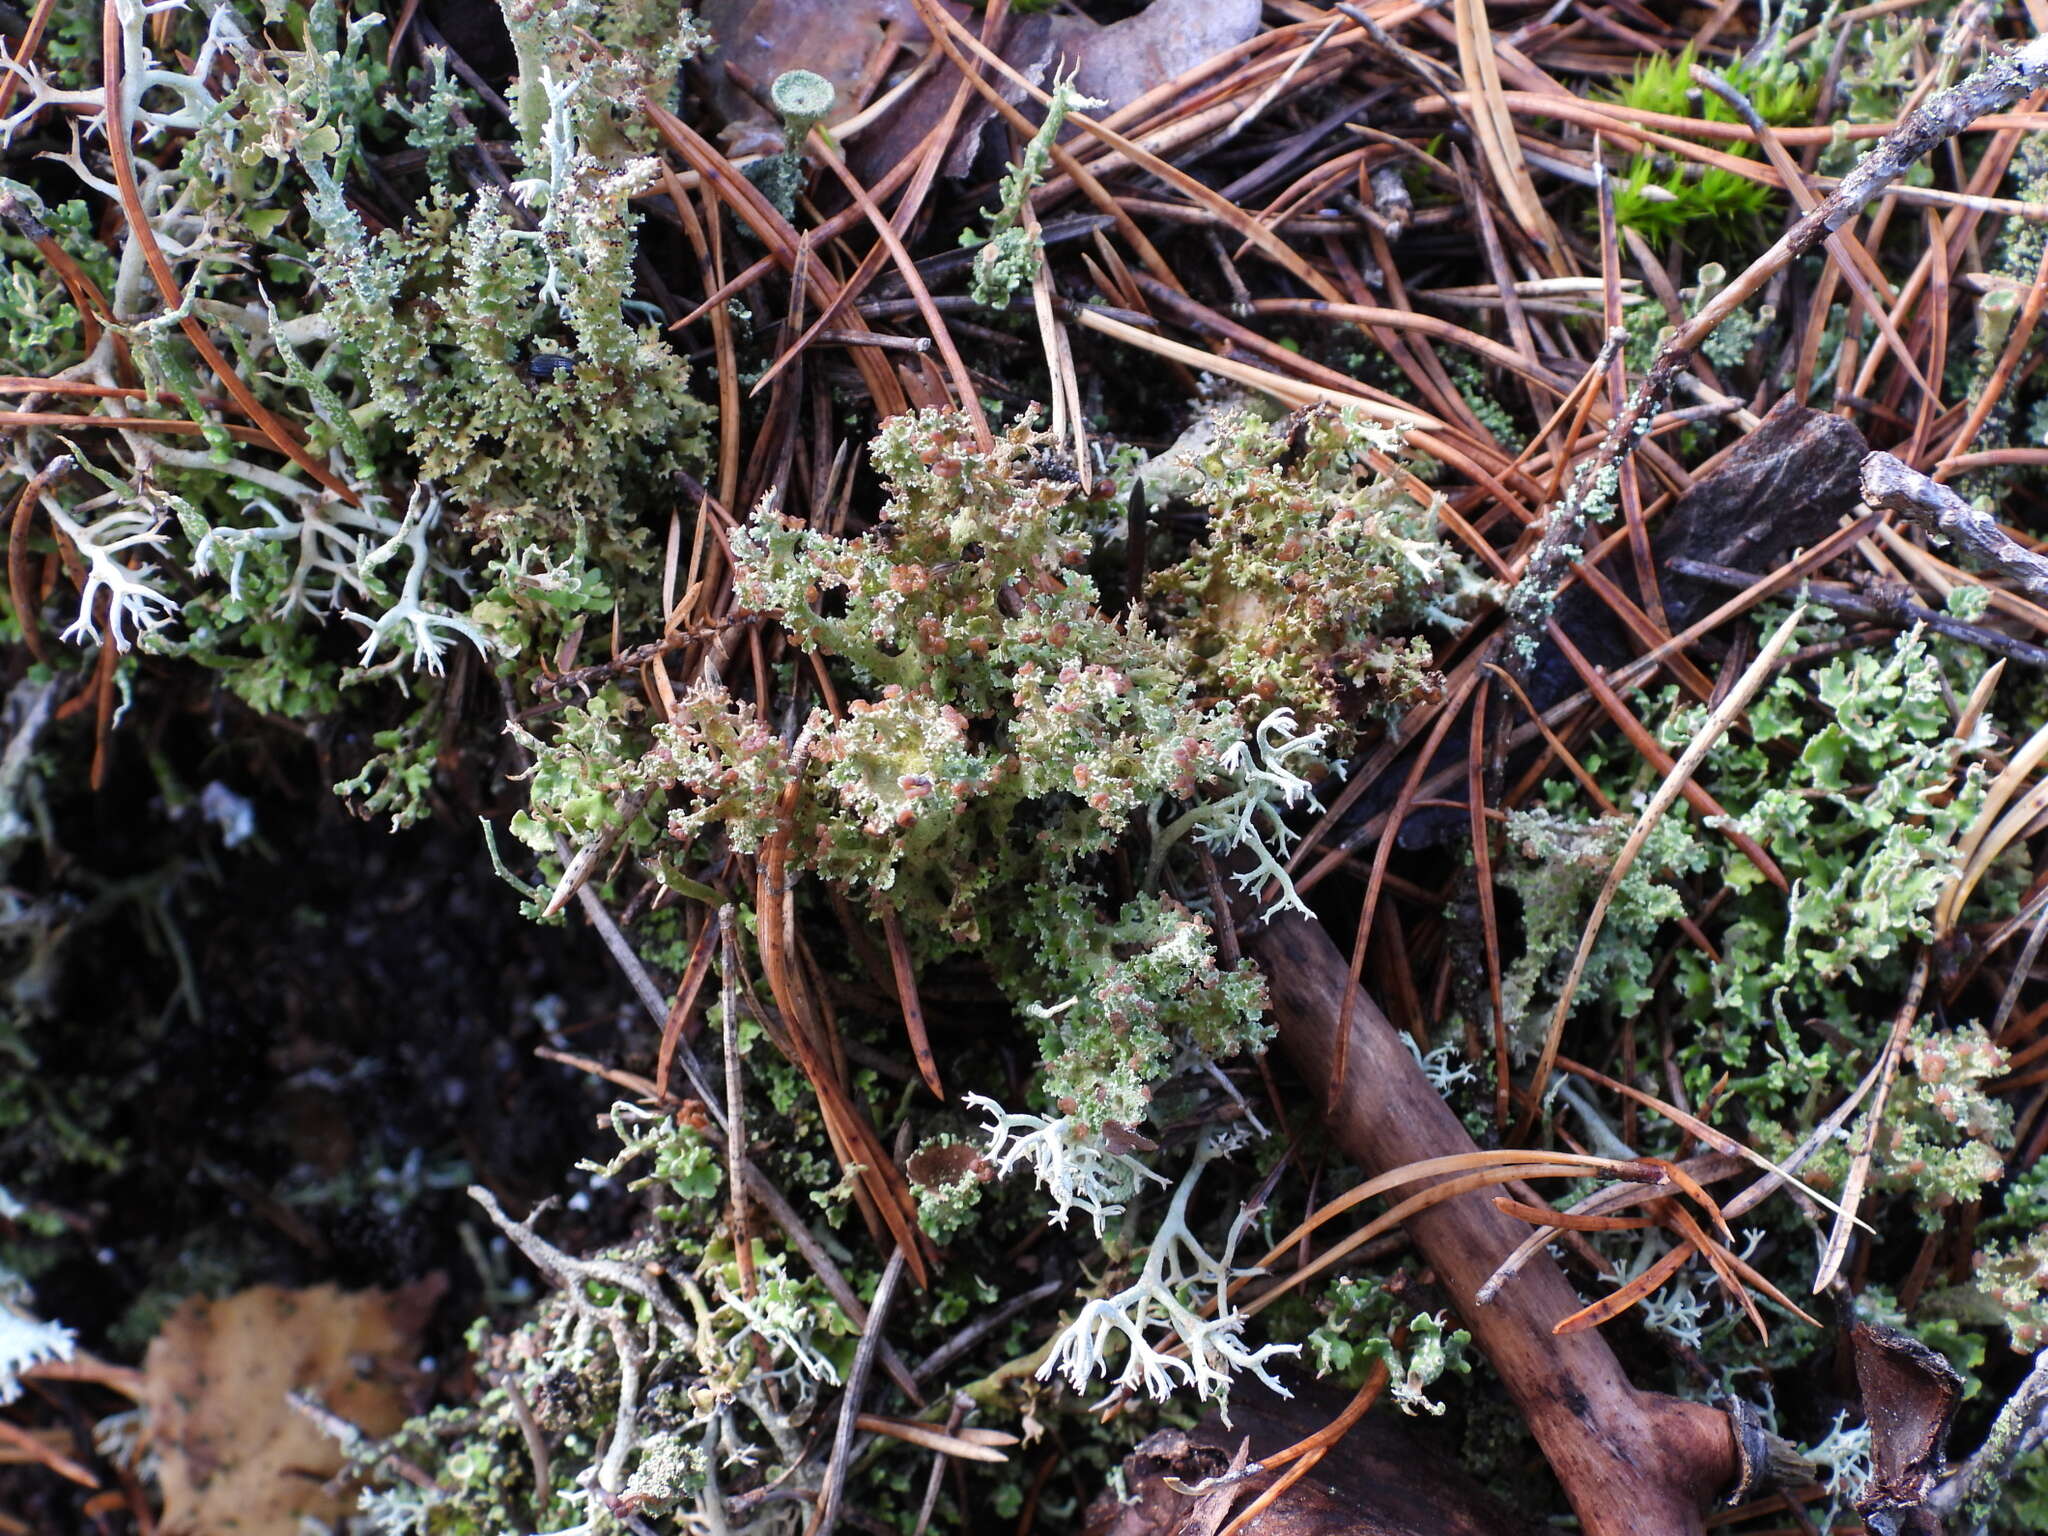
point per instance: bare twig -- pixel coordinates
(1898, 487)
(1974, 1490)
(1889, 603)
(849, 1405)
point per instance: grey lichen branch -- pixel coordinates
(574, 1277)
(1533, 597)
(1894, 486)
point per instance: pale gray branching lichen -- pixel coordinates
(1248, 815)
(1066, 1157)
(26, 1342)
(1164, 1303)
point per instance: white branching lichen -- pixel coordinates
(1247, 817)
(1069, 1163)
(133, 606)
(1163, 1306)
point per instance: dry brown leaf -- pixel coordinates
(1115, 64)
(763, 38)
(1122, 61)
(236, 1460)
(1910, 1394)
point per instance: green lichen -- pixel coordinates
(1557, 865)
(1316, 557)
(1009, 252)
(1003, 732)
(445, 315)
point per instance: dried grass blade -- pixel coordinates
(20, 581)
(1575, 1165)
(1289, 391)
(1717, 1260)
(958, 1446)
(30, 1447)
(1697, 1193)
(968, 396)
(1606, 693)
(906, 995)
(1755, 1279)
(1340, 1059)
(1859, 1165)
(1435, 1195)
(1719, 1140)
(2022, 764)
(1499, 143)
(854, 1141)
(939, 19)
(685, 1004)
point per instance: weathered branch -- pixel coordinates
(1971, 1496)
(1894, 486)
(1632, 1463)
(1892, 603)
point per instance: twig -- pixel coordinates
(985, 1325)
(849, 1404)
(958, 1411)
(1306, 1454)
(1632, 1463)
(1889, 603)
(1974, 1490)
(574, 1278)
(32, 1446)
(349, 1435)
(1897, 487)
(651, 999)
(536, 1442)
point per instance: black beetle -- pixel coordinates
(543, 366)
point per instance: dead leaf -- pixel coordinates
(1115, 64)
(236, 1460)
(1381, 1480)
(1122, 61)
(761, 39)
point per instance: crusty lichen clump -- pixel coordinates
(492, 336)
(1316, 558)
(994, 734)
